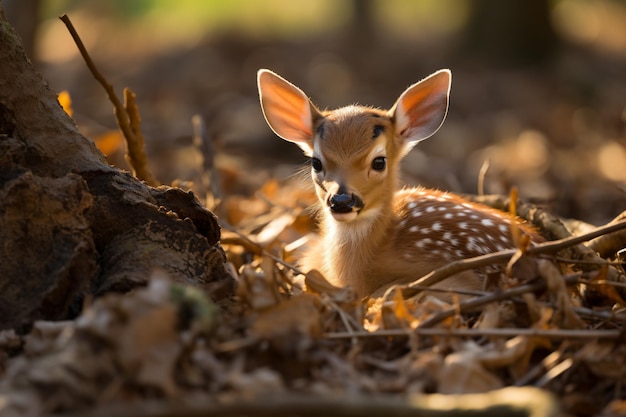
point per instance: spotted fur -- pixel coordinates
(374, 234)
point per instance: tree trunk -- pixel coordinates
(70, 224)
(513, 32)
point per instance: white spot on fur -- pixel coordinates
(430, 209)
(413, 229)
(487, 222)
(423, 243)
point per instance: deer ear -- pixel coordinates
(287, 110)
(420, 111)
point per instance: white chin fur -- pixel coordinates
(344, 217)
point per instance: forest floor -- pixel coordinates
(556, 132)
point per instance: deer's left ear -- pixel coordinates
(420, 111)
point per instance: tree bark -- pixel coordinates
(70, 224)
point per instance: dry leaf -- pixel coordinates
(296, 318)
(462, 373)
(274, 228)
(599, 282)
(256, 289)
(110, 142)
(564, 315)
(515, 354)
(65, 100)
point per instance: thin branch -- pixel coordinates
(136, 155)
(518, 401)
(608, 245)
(482, 174)
(476, 303)
(502, 257)
(255, 247)
(502, 332)
(209, 175)
(121, 113)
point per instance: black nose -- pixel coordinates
(342, 203)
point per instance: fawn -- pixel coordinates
(374, 234)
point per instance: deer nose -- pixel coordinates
(344, 203)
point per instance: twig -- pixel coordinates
(608, 245)
(478, 302)
(209, 175)
(511, 401)
(502, 332)
(125, 121)
(256, 248)
(502, 257)
(136, 155)
(482, 174)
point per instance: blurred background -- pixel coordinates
(539, 87)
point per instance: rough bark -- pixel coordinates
(70, 224)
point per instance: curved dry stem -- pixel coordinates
(127, 117)
(502, 257)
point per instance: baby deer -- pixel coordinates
(374, 234)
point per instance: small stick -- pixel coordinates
(501, 257)
(255, 247)
(502, 332)
(478, 302)
(482, 174)
(136, 155)
(608, 245)
(209, 175)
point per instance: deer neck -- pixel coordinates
(349, 247)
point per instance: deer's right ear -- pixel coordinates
(287, 110)
(422, 108)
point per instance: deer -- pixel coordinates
(374, 234)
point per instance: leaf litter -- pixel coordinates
(290, 334)
(289, 343)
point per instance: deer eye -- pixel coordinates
(316, 164)
(379, 163)
(378, 129)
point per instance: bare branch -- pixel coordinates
(135, 145)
